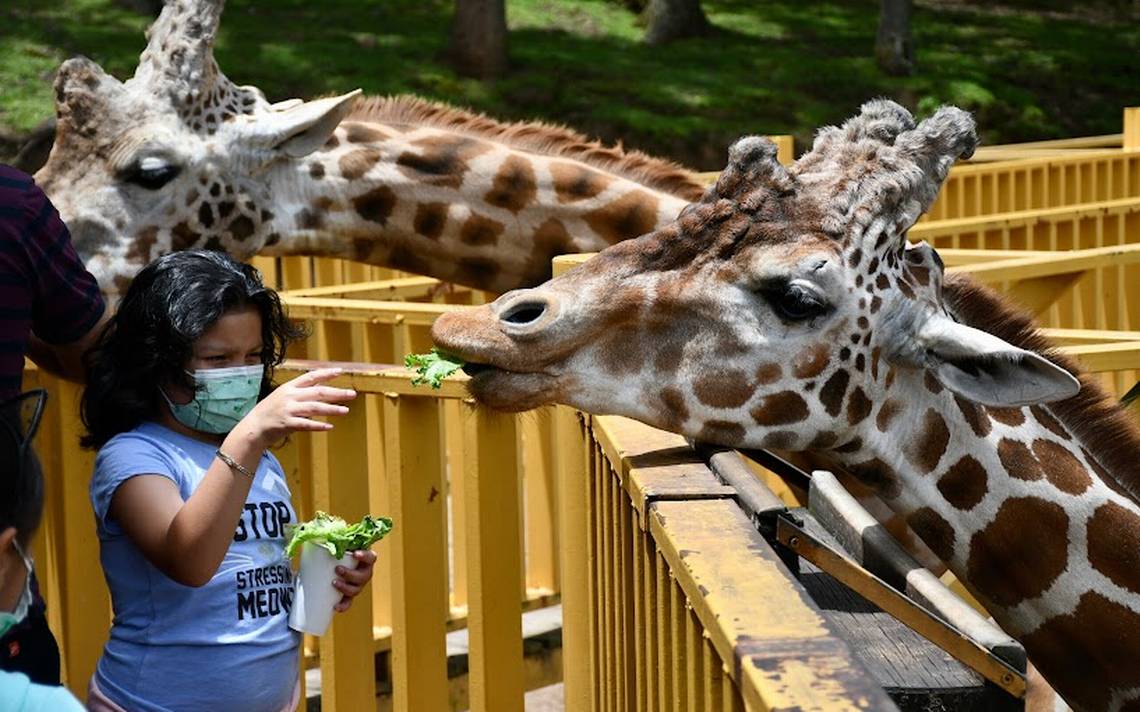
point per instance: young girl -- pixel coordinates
(191, 508)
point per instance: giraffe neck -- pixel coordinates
(1023, 513)
(461, 208)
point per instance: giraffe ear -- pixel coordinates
(301, 128)
(987, 370)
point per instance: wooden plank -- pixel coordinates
(363, 310)
(419, 553)
(348, 679)
(1099, 358)
(494, 565)
(1059, 263)
(782, 651)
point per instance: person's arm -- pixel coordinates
(68, 312)
(66, 360)
(187, 540)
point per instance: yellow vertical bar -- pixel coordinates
(605, 587)
(419, 554)
(677, 619)
(621, 646)
(1131, 128)
(379, 346)
(652, 603)
(542, 511)
(495, 610)
(340, 474)
(665, 638)
(596, 600)
(639, 664)
(694, 643)
(453, 442)
(573, 522)
(378, 503)
(84, 601)
(714, 671)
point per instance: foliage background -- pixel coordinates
(1028, 70)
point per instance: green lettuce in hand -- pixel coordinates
(337, 535)
(432, 367)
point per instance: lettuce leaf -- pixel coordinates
(432, 367)
(337, 535)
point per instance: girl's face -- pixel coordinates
(233, 340)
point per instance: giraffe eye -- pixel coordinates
(795, 303)
(152, 173)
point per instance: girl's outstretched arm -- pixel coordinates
(187, 540)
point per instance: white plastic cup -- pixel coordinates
(315, 595)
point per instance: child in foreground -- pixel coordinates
(190, 506)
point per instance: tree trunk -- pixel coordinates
(894, 50)
(479, 38)
(669, 20)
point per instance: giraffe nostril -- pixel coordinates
(524, 313)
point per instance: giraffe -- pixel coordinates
(180, 157)
(786, 309)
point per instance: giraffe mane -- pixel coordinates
(535, 136)
(1104, 427)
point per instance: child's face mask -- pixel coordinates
(10, 619)
(224, 396)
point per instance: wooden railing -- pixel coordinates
(447, 472)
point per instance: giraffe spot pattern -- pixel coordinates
(780, 408)
(887, 412)
(631, 215)
(1007, 566)
(316, 170)
(934, 530)
(931, 382)
(928, 445)
(877, 475)
(833, 390)
(1063, 470)
(675, 411)
(475, 271)
(1108, 661)
(722, 432)
(1009, 416)
(975, 416)
(730, 388)
(363, 133)
(574, 182)
(858, 406)
(356, 164)
(964, 484)
(443, 160)
(241, 228)
(781, 440)
(514, 186)
(376, 205)
(811, 361)
(768, 373)
(430, 219)
(1046, 419)
(823, 441)
(1114, 545)
(182, 236)
(1018, 461)
(478, 230)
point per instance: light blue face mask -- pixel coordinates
(224, 396)
(11, 619)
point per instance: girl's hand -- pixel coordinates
(352, 581)
(292, 406)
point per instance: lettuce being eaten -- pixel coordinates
(431, 368)
(337, 535)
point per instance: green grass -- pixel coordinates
(774, 67)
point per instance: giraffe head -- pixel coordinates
(771, 312)
(170, 159)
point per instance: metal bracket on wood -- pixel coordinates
(796, 538)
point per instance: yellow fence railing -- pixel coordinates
(448, 474)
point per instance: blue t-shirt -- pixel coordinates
(224, 646)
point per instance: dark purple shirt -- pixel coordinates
(44, 288)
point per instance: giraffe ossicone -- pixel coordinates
(786, 310)
(178, 157)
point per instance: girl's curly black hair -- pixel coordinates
(149, 341)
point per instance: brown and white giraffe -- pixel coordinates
(179, 157)
(787, 310)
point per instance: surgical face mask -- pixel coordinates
(223, 397)
(10, 619)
